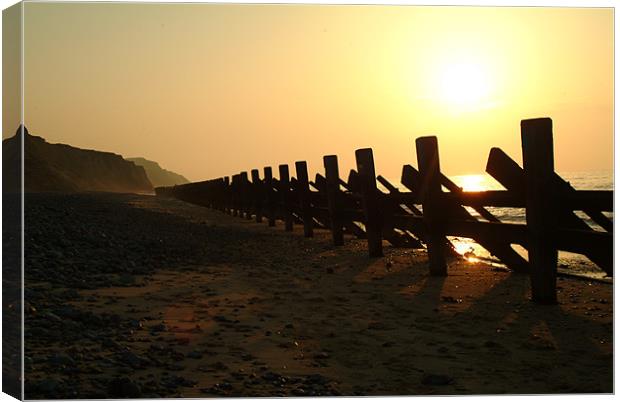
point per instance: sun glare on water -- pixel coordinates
(472, 182)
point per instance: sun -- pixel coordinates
(463, 83)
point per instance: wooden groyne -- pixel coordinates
(431, 208)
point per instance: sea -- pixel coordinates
(569, 263)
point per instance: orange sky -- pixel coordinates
(208, 90)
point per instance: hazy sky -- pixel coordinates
(210, 90)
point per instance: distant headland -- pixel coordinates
(64, 168)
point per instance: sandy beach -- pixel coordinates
(140, 296)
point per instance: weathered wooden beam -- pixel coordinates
(257, 195)
(246, 195)
(353, 182)
(410, 178)
(491, 198)
(510, 175)
(428, 161)
(233, 195)
(576, 241)
(396, 192)
(391, 205)
(303, 191)
(226, 196)
(269, 196)
(497, 246)
(540, 212)
(285, 197)
(454, 189)
(592, 202)
(510, 233)
(370, 200)
(332, 190)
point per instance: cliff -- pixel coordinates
(63, 168)
(159, 176)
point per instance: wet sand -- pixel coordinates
(178, 300)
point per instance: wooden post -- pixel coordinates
(226, 204)
(332, 190)
(233, 195)
(540, 211)
(246, 195)
(269, 196)
(303, 190)
(370, 200)
(509, 174)
(285, 198)
(257, 196)
(237, 196)
(430, 191)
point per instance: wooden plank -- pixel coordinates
(370, 200)
(396, 192)
(304, 198)
(510, 233)
(575, 241)
(540, 212)
(246, 196)
(231, 195)
(510, 175)
(428, 161)
(257, 196)
(353, 182)
(285, 198)
(454, 189)
(497, 246)
(591, 202)
(332, 190)
(410, 178)
(492, 198)
(269, 196)
(236, 196)
(226, 196)
(389, 225)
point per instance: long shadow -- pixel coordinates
(99, 240)
(384, 329)
(536, 339)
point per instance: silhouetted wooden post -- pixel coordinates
(509, 174)
(540, 214)
(332, 190)
(370, 200)
(233, 195)
(428, 163)
(269, 196)
(226, 194)
(237, 195)
(257, 195)
(304, 196)
(246, 195)
(285, 198)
